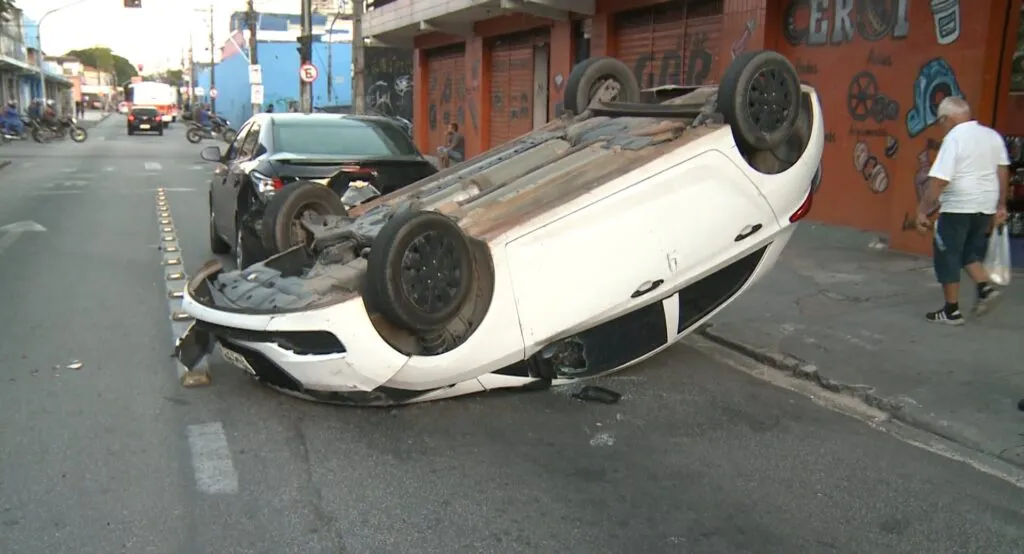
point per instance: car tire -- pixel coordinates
(587, 77)
(229, 135)
(130, 132)
(411, 254)
(740, 100)
(217, 244)
(193, 136)
(160, 132)
(288, 204)
(245, 253)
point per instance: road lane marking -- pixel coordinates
(153, 166)
(11, 233)
(211, 459)
(175, 281)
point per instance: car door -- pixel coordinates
(223, 201)
(237, 171)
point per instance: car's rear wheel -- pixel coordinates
(420, 272)
(160, 132)
(282, 220)
(587, 82)
(217, 244)
(760, 100)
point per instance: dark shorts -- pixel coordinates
(960, 240)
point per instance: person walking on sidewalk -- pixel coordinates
(969, 179)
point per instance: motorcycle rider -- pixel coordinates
(49, 115)
(203, 118)
(35, 110)
(11, 121)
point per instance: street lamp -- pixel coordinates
(39, 37)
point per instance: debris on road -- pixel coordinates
(593, 393)
(75, 365)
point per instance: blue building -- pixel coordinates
(19, 69)
(280, 63)
(278, 55)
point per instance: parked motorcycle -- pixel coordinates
(62, 128)
(219, 128)
(8, 136)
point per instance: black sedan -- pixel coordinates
(283, 165)
(145, 119)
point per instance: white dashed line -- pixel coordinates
(211, 459)
(153, 166)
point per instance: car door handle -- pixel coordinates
(646, 287)
(748, 231)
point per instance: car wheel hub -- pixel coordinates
(768, 100)
(431, 272)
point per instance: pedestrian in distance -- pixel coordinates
(454, 149)
(970, 181)
(270, 108)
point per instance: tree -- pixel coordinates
(104, 59)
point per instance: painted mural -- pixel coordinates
(388, 78)
(899, 60)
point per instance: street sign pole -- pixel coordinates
(306, 87)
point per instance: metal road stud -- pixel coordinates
(164, 213)
(180, 316)
(176, 294)
(160, 189)
(175, 276)
(167, 229)
(172, 261)
(171, 248)
(169, 238)
(192, 379)
(165, 221)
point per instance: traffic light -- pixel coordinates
(133, 3)
(305, 48)
(140, 67)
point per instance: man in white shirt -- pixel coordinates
(970, 180)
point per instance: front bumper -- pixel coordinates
(304, 351)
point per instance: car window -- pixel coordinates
(144, 112)
(251, 140)
(232, 152)
(341, 137)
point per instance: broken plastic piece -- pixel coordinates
(76, 365)
(593, 393)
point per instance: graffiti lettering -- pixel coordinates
(892, 146)
(855, 132)
(519, 106)
(699, 66)
(474, 87)
(821, 22)
(389, 82)
(935, 81)
(805, 68)
(874, 58)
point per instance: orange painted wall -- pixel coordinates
(879, 79)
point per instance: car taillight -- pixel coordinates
(277, 182)
(131, 118)
(804, 209)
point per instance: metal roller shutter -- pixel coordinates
(675, 43)
(446, 93)
(511, 88)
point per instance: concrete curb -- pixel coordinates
(93, 122)
(900, 410)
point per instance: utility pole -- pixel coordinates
(213, 65)
(330, 58)
(358, 57)
(253, 59)
(306, 54)
(191, 73)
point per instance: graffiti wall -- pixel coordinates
(899, 59)
(388, 77)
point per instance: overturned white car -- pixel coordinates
(571, 252)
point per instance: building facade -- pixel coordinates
(20, 66)
(498, 67)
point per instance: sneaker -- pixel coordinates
(984, 304)
(940, 316)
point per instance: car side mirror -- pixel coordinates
(211, 154)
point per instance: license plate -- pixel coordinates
(143, 126)
(237, 360)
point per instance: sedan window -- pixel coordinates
(342, 137)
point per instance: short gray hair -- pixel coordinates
(954, 106)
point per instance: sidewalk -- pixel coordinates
(93, 117)
(851, 318)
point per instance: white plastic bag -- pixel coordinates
(997, 260)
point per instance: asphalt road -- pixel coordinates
(116, 456)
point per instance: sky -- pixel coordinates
(155, 35)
